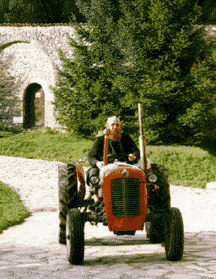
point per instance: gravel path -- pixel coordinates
(31, 250)
(36, 181)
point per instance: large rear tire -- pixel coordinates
(174, 235)
(75, 236)
(160, 199)
(155, 230)
(68, 195)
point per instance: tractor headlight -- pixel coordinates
(152, 178)
(94, 180)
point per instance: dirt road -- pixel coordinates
(31, 250)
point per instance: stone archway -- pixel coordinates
(33, 74)
(33, 106)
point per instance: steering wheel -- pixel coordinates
(121, 157)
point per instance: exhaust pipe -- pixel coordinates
(142, 142)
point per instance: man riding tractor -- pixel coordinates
(113, 146)
(122, 195)
(121, 147)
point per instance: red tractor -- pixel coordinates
(124, 198)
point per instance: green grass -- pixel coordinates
(188, 166)
(12, 211)
(46, 145)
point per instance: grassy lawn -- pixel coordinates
(188, 166)
(48, 145)
(12, 211)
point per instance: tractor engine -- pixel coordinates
(122, 197)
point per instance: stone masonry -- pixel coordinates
(30, 55)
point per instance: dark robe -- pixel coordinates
(126, 145)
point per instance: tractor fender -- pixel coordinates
(81, 178)
(149, 166)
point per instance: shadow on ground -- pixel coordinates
(198, 247)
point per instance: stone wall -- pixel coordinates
(31, 56)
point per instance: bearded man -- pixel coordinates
(120, 147)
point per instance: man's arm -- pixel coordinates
(96, 152)
(130, 147)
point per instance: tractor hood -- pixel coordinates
(108, 169)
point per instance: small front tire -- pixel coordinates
(75, 236)
(174, 235)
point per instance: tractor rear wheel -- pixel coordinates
(160, 198)
(68, 195)
(75, 236)
(155, 230)
(174, 235)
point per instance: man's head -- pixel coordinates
(113, 127)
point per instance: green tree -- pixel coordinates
(200, 117)
(207, 11)
(87, 89)
(95, 84)
(142, 51)
(164, 46)
(38, 11)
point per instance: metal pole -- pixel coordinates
(142, 144)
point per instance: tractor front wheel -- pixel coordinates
(75, 236)
(174, 235)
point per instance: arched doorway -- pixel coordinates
(33, 106)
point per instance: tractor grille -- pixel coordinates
(125, 197)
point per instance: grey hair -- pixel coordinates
(112, 119)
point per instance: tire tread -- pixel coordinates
(76, 242)
(174, 238)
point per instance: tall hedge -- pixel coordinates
(139, 51)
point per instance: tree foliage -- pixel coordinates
(207, 12)
(139, 51)
(60, 11)
(87, 89)
(38, 11)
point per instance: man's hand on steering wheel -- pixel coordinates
(131, 157)
(121, 157)
(100, 164)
